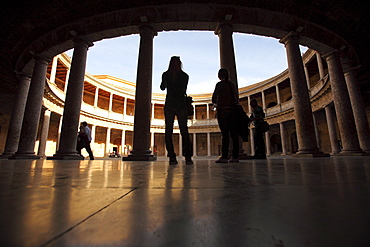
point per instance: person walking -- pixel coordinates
(257, 117)
(84, 140)
(175, 80)
(225, 97)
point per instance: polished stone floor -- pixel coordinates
(274, 202)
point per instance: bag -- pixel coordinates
(189, 106)
(243, 123)
(265, 126)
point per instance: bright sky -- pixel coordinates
(257, 58)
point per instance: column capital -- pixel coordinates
(330, 55)
(82, 41)
(148, 30)
(291, 36)
(42, 59)
(224, 27)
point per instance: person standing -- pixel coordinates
(257, 117)
(84, 141)
(225, 96)
(175, 80)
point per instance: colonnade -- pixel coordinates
(348, 104)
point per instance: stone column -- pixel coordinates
(123, 142)
(143, 96)
(107, 142)
(317, 134)
(358, 106)
(278, 100)
(263, 101)
(124, 108)
(15, 124)
(207, 105)
(302, 106)
(282, 136)
(33, 110)
(53, 71)
(153, 108)
(227, 55)
(268, 143)
(208, 144)
(307, 76)
(44, 134)
(93, 133)
(72, 104)
(96, 97)
(194, 144)
(342, 103)
(330, 119)
(320, 65)
(251, 134)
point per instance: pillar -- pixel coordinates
(53, 71)
(180, 146)
(15, 124)
(302, 106)
(227, 55)
(307, 76)
(194, 144)
(320, 65)
(96, 97)
(208, 144)
(33, 110)
(317, 133)
(44, 134)
(358, 106)
(123, 142)
(72, 103)
(141, 143)
(251, 134)
(268, 143)
(343, 109)
(282, 137)
(107, 142)
(330, 119)
(278, 100)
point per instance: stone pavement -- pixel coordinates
(281, 201)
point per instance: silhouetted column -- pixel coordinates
(330, 119)
(282, 137)
(227, 55)
(343, 109)
(143, 96)
(72, 103)
(33, 110)
(251, 134)
(15, 124)
(44, 134)
(300, 96)
(278, 100)
(358, 106)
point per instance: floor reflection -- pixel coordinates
(273, 202)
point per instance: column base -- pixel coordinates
(351, 154)
(5, 156)
(310, 155)
(245, 157)
(24, 156)
(65, 157)
(140, 157)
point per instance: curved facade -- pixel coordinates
(109, 102)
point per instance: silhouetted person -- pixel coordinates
(257, 117)
(175, 80)
(84, 140)
(226, 97)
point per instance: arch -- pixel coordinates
(113, 21)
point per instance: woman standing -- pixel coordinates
(175, 80)
(226, 98)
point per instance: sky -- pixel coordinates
(257, 58)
